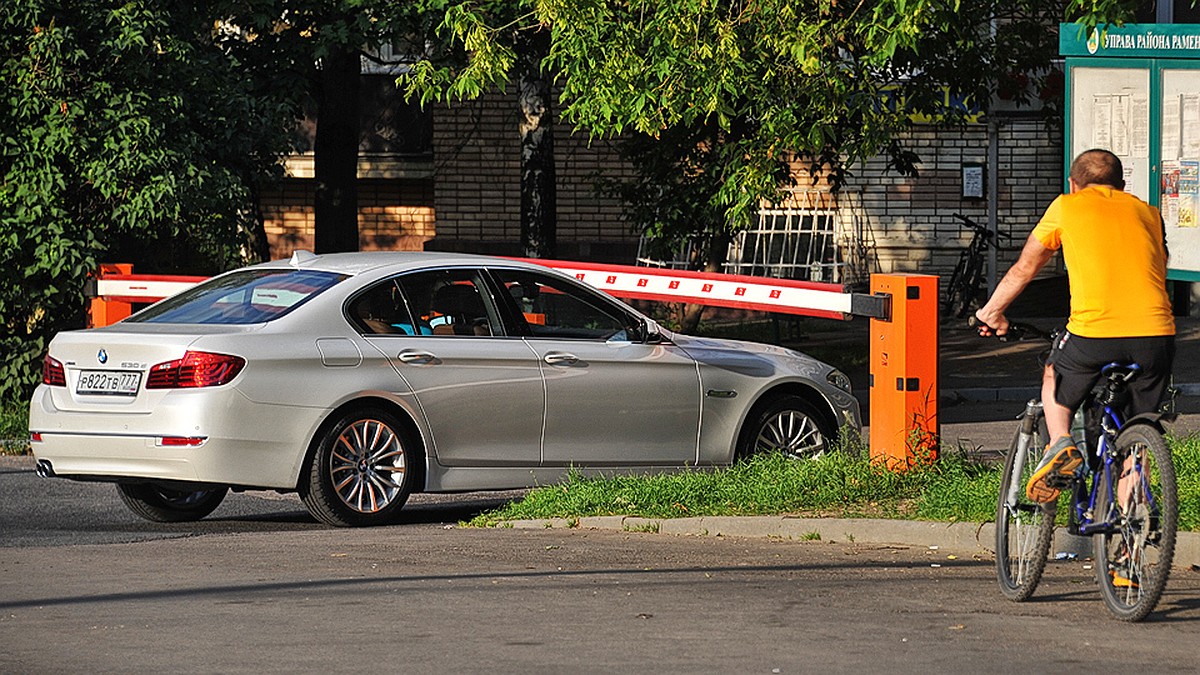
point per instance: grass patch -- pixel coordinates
(1186, 455)
(842, 485)
(14, 429)
(838, 485)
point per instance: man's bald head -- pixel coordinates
(1097, 167)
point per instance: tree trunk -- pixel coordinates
(335, 153)
(538, 196)
(714, 261)
(258, 247)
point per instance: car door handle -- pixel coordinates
(561, 359)
(416, 356)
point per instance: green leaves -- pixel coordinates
(126, 135)
(771, 77)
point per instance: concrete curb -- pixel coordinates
(967, 538)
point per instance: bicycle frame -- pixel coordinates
(1100, 467)
(1103, 465)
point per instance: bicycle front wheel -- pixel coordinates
(1138, 494)
(1024, 528)
(956, 302)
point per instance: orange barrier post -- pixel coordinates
(904, 371)
(102, 311)
(114, 291)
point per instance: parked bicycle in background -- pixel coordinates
(964, 292)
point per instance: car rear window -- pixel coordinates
(247, 296)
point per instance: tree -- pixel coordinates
(718, 97)
(539, 219)
(315, 50)
(335, 150)
(774, 76)
(127, 135)
(669, 197)
(818, 78)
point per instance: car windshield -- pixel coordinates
(248, 296)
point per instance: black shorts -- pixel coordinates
(1078, 361)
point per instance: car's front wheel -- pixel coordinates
(788, 424)
(165, 505)
(361, 471)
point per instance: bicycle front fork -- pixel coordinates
(1025, 436)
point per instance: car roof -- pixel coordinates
(357, 263)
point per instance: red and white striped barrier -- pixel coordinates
(717, 290)
(115, 289)
(142, 288)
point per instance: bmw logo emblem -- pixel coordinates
(102, 357)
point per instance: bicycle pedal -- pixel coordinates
(1122, 579)
(1059, 482)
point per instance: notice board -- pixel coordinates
(1135, 90)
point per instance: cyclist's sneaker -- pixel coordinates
(1121, 579)
(1055, 472)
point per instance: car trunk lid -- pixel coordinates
(107, 368)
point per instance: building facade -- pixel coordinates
(461, 192)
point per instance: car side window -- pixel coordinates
(381, 310)
(452, 302)
(556, 308)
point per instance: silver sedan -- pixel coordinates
(356, 379)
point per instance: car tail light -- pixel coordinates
(53, 373)
(195, 369)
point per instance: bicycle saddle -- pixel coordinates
(1121, 372)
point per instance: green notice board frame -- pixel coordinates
(1135, 90)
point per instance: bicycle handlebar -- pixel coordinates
(981, 229)
(1016, 331)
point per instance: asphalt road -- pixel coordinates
(260, 587)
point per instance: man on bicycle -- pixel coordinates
(1115, 251)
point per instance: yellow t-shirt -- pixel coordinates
(1116, 259)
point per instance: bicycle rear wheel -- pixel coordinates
(1132, 564)
(1024, 528)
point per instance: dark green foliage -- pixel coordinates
(126, 135)
(829, 82)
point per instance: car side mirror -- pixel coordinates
(651, 332)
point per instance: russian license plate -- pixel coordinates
(109, 382)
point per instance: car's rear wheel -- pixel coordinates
(361, 471)
(788, 424)
(165, 505)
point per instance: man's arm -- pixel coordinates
(1033, 257)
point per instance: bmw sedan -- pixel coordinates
(356, 379)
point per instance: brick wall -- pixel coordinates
(394, 215)
(908, 223)
(477, 190)
(903, 224)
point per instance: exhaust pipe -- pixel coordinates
(44, 468)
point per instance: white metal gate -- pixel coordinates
(803, 237)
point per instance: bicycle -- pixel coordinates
(963, 289)
(1124, 497)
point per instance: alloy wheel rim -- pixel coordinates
(367, 466)
(793, 433)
